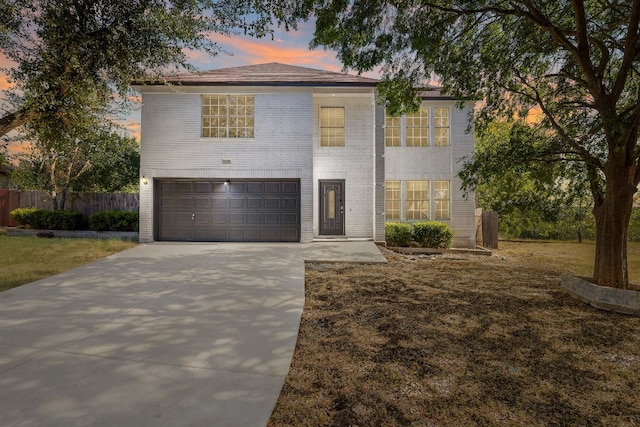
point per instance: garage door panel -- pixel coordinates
(219, 203)
(237, 203)
(253, 203)
(244, 210)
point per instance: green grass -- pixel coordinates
(26, 259)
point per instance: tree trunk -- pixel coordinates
(13, 120)
(613, 213)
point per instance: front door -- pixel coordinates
(332, 207)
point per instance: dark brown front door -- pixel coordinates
(332, 207)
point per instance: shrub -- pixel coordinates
(114, 221)
(44, 219)
(24, 216)
(432, 234)
(397, 233)
(64, 220)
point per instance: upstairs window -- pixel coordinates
(228, 116)
(332, 126)
(441, 127)
(429, 126)
(392, 131)
(418, 128)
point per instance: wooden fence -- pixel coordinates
(487, 229)
(86, 203)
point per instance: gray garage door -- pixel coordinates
(235, 211)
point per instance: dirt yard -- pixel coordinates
(458, 341)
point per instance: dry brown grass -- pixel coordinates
(457, 341)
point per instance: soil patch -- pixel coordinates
(444, 340)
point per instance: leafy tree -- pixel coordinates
(84, 159)
(513, 174)
(576, 62)
(66, 48)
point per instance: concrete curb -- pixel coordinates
(434, 251)
(623, 301)
(83, 234)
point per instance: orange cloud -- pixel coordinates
(4, 82)
(258, 51)
(133, 126)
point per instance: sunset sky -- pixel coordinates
(285, 47)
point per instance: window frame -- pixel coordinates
(411, 201)
(396, 191)
(330, 127)
(437, 134)
(230, 115)
(436, 127)
(439, 203)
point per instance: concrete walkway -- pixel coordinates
(159, 335)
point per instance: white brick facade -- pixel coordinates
(286, 144)
(441, 163)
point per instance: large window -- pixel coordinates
(392, 131)
(441, 127)
(418, 128)
(441, 195)
(417, 201)
(227, 116)
(332, 127)
(392, 199)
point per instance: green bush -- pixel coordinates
(44, 219)
(114, 221)
(432, 234)
(64, 220)
(397, 233)
(24, 216)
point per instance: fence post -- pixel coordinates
(490, 230)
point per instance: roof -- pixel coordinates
(271, 74)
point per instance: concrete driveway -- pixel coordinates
(159, 335)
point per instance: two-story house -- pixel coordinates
(275, 152)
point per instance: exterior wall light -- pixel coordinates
(145, 181)
(227, 182)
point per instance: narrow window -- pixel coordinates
(392, 199)
(332, 127)
(332, 204)
(418, 128)
(441, 116)
(227, 116)
(442, 198)
(392, 131)
(417, 201)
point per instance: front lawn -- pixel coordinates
(26, 259)
(461, 340)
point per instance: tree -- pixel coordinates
(64, 48)
(94, 158)
(513, 173)
(575, 62)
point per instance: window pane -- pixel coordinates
(392, 131)
(392, 200)
(418, 128)
(417, 201)
(227, 116)
(332, 126)
(441, 118)
(442, 197)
